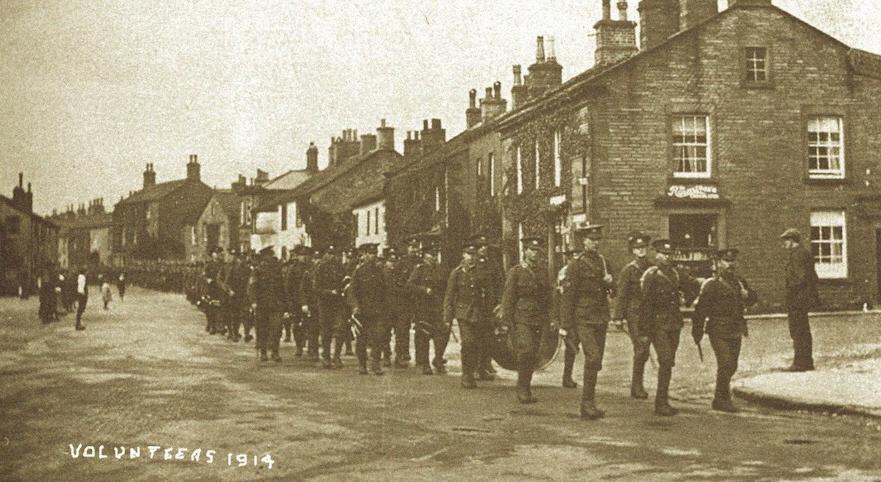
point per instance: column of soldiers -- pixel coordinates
(322, 300)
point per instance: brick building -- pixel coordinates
(85, 236)
(217, 226)
(719, 129)
(318, 212)
(28, 242)
(156, 222)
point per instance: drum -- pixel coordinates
(503, 349)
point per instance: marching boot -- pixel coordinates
(722, 398)
(589, 410)
(530, 397)
(467, 373)
(325, 363)
(263, 356)
(426, 369)
(275, 356)
(724, 406)
(662, 403)
(637, 390)
(440, 366)
(522, 390)
(568, 363)
(376, 366)
(362, 367)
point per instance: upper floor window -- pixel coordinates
(756, 64)
(558, 162)
(519, 161)
(829, 243)
(375, 220)
(479, 167)
(367, 232)
(537, 158)
(691, 146)
(491, 161)
(825, 147)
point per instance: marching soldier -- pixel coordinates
(309, 308)
(660, 319)
(329, 282)
(426, 284)
(350, 263)
(213, 294)
(267, 295)
(465, 303)
(585, 311)
(627, 307)
(408, 310)
(491, 277)
(370, 298)
(400, 313)
(571, 344)
(525, 309)
(719, 309)
(294, 297)
(235, 279)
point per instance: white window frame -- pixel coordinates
(681, 119)
(814, 125)
(519, 161)
(437, 203)
(491, 161)
(831, 263)
(537, 159)
(558, 162)
(755, 64)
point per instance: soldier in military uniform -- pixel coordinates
(407, 311)
(719, 312)
(426, 285)
(267, 301)
(661, 319)
(400, 312)
(370, 298)
(235, 279)
(213, 294)
(309, 307)
(465, 303)
(525, 309)
(293, 280)
(492, 277)
(332, 311)
(571, 344)
(585, 311)
(627, 307)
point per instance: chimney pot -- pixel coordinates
(472, 98)
(607, 10)
(518, 75)
(551, 49)
(622, 10)
(489, 93)
(416, 135)
(425, 124)
(497, 90)
(540, 48)
(21, 179)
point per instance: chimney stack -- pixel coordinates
(616, 39)
(693, 12)
(472, 113)
(149, 176)
(433, 137)
(658, 21)
(368, 143)
(193, 168)
(412, 145)
(519, 94)
(545, 74)
(385, 137)
(312, 158)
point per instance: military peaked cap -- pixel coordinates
(587, 230)
(727, 254)
(637, 239)
(663, 246)
(532, 243)
(792, 234)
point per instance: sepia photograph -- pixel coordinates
(440, 240)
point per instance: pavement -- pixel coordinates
(147, 384)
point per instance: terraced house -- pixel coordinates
(717, 129)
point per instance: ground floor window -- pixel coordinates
(696, 237)
(829, 243)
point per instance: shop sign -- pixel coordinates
(695, 191)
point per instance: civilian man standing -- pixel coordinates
(82, 297)
(801, 296)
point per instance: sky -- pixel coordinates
(92, 90)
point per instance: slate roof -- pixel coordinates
(230, 202)
(154, 193)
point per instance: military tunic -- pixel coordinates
(660, 318)
(466, 301)
(628, 305)
(370, 295)
(525, 309)
(267, 293)
(585, 306)
(426, 288)
(332, 309)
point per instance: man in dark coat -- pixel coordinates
(294, 297)
(525, 310)
(370, 299)
(489, 269)
(400, 313)
(719, 312)
(267, 301)
(465, 304)
(660, 317)
(584, 313)
(627, 307)
(329, 285)
(234, 278)
(426, 285)
(801, 296)
(309, 303)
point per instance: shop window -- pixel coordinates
(691, 146)
(825, 147)
(695, 236)
(829, 244)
